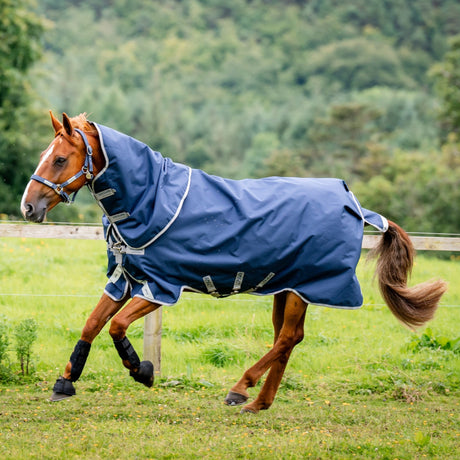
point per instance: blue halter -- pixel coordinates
(87, 170)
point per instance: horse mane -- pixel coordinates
(81, 122)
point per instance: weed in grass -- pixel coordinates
(188, 335)
(429, 340)
(293, 382)
(440, 388)
(368, 388)
(407, 392)
(185, 383)
(421, 439)
(221, 354)
(136, 331)
(322, 339)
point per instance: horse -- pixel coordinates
(170, 228)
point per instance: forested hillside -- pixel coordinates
(252, 88)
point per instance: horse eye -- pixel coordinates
(59, 161)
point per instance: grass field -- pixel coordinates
(358, 386)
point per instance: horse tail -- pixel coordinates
(413, 306)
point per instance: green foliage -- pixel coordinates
(345, 135)
(428, 183)
(447, 76)
(221, 354)
(201, 80)
(25, 334)
(253, 88)
(429, 340)
(4, 339)
(20, 47)
(357, 64)
(5, 371)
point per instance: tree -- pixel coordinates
(20, 33)
(341, 141)
(238, 88)
(447, 76)
(418, 190)
(357, 64)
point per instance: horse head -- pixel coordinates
(65, 166)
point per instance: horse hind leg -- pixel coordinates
(288, 319)
(238, 394)
(141, 371)
(268, 392)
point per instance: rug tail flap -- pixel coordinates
(376, 220)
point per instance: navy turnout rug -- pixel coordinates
(170, 228)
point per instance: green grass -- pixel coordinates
(358, 386)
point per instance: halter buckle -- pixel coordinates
(88, 174)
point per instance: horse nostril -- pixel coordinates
(30, 209)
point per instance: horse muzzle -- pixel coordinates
(34, 213)
(34, 205)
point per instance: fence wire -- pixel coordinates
(255, 300)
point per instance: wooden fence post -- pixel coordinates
(152, 339)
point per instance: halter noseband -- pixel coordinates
(87, 170)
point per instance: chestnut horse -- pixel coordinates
(76, 157)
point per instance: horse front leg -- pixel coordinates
(288, 319)
(104, 310)
(141, 371)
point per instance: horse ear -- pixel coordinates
(67, 124)
(57, 125)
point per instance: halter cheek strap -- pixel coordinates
(86, 170)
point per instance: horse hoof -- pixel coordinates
(144, 374)
(63, 389)
(59, 396)
(235, 399)
(248, 410)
